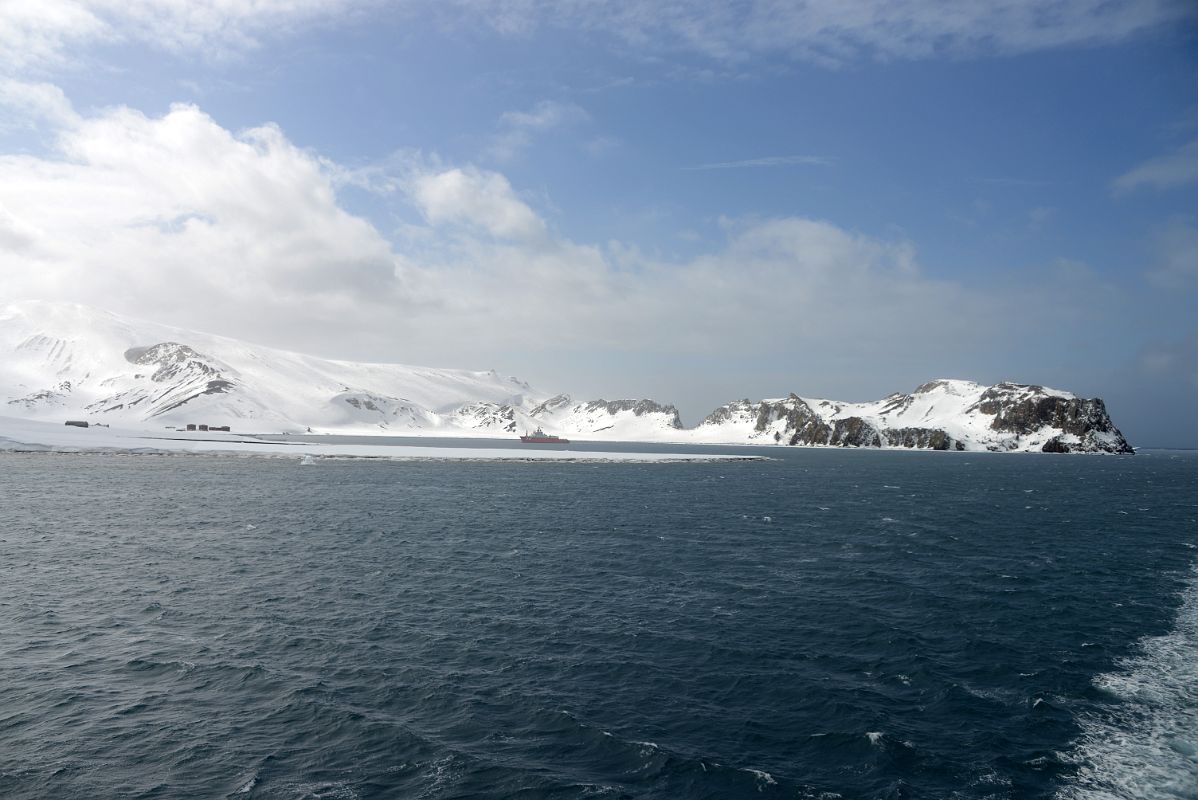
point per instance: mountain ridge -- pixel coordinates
(69, 360)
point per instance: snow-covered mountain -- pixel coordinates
(60, 361)
(939, 415)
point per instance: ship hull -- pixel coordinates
(543, 440)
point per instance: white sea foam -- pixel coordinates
(763, 778)
(875, 737)
(1145, 745)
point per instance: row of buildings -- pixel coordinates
(191, 426)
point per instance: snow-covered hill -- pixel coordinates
(939, 415)
(608, 420)
(63, 361)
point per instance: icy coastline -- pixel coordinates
(21, 435)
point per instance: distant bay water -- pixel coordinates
(827, 624)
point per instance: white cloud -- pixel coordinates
(474, 197)
(181, 220)
(49, 32)
(517, 128)
(177, 214)
(1164, 172)
(38, 33)
(545, 114)
(243, 232)
(37, 102)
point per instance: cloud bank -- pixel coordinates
(178, 219)
(177, 214)
(48, 33)
(836, 32)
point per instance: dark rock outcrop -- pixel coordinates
(639, 408)
(801, 423)
(1024, 409)
(922, 439)
(854, 432)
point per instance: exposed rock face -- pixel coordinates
(638, 408)
(790, 419)
(803, 424)
(552, 405)
(496, 417)
(184, 373)
(854, 432)
(922, 438)
(1023, 409)
(794, 421)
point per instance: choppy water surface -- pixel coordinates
(827, 625)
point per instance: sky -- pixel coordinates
(694, 202)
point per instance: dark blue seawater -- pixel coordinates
(826, 625)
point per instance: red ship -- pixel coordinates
(540, 437)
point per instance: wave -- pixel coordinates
(1144, 745)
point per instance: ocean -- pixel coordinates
(826, 624)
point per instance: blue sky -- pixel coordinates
(693, 202)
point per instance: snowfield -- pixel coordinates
(30, 436)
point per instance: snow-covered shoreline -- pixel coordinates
(28, 436)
